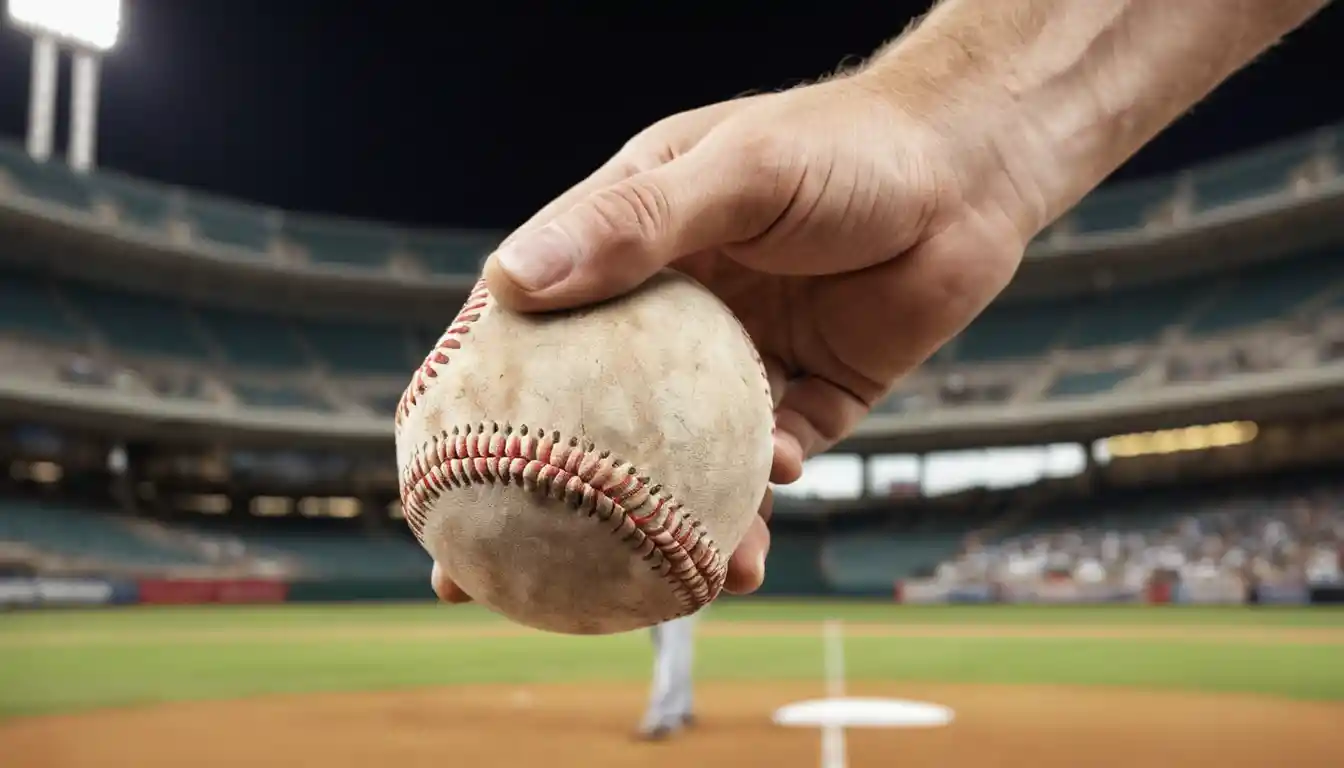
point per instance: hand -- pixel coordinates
(851, 237)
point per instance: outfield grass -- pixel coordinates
(65, 661)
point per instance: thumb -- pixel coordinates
(618, 236)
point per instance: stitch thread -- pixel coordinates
(605, 488)
(477, 300)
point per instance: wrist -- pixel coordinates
(977, 127)
(1046, 98)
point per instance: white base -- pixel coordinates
(862, 713)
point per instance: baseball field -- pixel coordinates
(429, 685)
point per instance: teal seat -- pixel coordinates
(73, 530)
(453, 253)
(281, 397)
(28, 306)
(360, 349)
(1133, 316)
(795, 566)
(1259, 173)
(338, 554)
(245, 227)
(1087, 384)
(385, 404)
(51, 181)
(341, 244)
(1120, 207)
(138, 323)
(254, 340)
(138, 204)
(1270, 292)
(873, 561)
(1012, 332)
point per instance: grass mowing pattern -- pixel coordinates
(62, 661)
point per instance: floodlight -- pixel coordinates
(93, 24)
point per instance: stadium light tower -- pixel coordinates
(89, 28)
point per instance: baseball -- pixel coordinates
(588, 472)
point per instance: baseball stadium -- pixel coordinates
(1103, 526)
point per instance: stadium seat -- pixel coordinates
(361, 349)
(78, 532)
(343, 244)
(138, 204)
(1121, 207)
(279, 396)
(868, 562)
(254, 340)
(1012, 332)
(51, 182)
(138, 323)
(233, 224)
(327, 553)
(1255, 174)
(795, 566)
(1269, 292)
(1085, 384)
(453, 254)
(28, 307)
(384, 404)
(1132, 316)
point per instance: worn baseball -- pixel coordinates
(588, 472)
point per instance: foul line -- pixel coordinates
(833, 751)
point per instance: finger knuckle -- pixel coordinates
(631, 213)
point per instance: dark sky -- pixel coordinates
(475, 114)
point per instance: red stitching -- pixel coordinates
(605, 488)
(477, 300)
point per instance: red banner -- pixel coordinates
(198, 591)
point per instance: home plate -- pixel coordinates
(862, 713)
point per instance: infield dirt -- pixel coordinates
(590, 726)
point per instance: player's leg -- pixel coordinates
(656, 722)
(683, 669)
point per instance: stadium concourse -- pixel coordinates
(195, 407)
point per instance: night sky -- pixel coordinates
(475, 114)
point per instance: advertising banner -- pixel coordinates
(971, 593)
(922, 592)
(200, 591)
(1213, 589)
(39, 592)
(1282, 593)
(1066, 591)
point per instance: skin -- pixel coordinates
(899, 195)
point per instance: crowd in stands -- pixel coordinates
(1266, 537)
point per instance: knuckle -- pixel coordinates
(630, 214)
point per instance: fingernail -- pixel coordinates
(539, 259)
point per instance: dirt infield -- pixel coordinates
(589, 726)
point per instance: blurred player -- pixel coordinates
(670, 705)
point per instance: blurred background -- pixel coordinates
(243, 223)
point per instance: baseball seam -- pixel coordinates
(650, 520)
(638, 512)
(476, 303)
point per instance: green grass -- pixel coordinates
(65, 661)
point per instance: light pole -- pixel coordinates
(89, 29)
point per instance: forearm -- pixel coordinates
(1061, 92)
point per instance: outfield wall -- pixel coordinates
(85, 591)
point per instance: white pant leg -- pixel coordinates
(683, 666)
(670, 698)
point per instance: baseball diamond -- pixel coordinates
(407, 684)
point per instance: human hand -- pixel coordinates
(851, 237)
